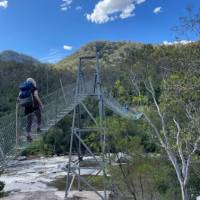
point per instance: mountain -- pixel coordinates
(112, 53)
(12, 73)
(15, 68)
(119, 61)
(107, 50)
(12, 56)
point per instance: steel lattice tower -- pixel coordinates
(94, 90)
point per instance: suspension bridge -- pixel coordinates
(58, 104)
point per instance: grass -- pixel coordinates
(96, 182)
(3, 194)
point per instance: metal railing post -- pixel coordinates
(56, 114)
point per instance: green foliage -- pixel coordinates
(93, 141)
(60, 183)
(122, 136)
(2, 186)
(179, 90)
(35, 148)
(2, 193)
(120, 133)
(53, 142)
(13, 73)
(140, 100)
(175, 75)
(194, 182)
(150, 175)
(120, 92)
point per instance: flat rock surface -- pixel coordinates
(36, 196)
(84, 195)
(36, 174)
(74, 195)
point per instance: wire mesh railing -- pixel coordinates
(57, 105)
(119, 109)
(13, 127)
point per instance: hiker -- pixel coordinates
(30, 100)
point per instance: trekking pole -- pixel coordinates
(17, 125)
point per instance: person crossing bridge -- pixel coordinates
(29, 99)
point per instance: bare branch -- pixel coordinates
(151, 90)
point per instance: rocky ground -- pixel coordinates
(29, 180)
(85, 195)
(34, 196)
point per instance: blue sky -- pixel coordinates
(52, 29)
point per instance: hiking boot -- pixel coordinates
(29, 139)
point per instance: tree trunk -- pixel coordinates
(184, 192)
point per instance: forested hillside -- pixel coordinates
(162, 82)
(119, 61)
(12, 73)
(12, 56)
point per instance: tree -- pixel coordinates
(136, 174)
(179, 142)
(189, 24)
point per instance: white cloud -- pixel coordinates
(66, 4)
(157, 10)
(64, 8)
(67, 47)
(140, 1)
(79, 8)
(109, 10)
(183, 42)
(3, 4)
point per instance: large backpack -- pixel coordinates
(25, 95)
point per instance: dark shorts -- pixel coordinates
(30, 112)
(30, 109)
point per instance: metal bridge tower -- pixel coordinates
(77, 144)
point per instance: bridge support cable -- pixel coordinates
(120, 110)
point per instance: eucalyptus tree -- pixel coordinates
(174, 118)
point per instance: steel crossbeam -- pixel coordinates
(94, 91)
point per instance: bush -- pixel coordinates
(53, 142)
(2, 184)
(34, 148)
(2, 193)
